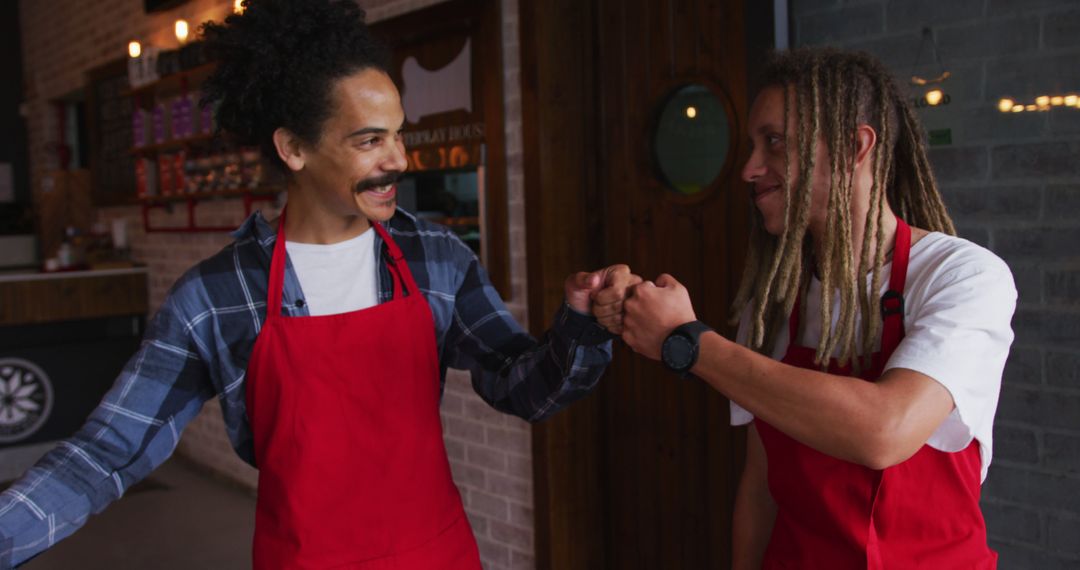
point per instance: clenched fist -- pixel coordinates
(602, 293)
(653, 311)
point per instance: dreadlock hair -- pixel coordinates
(835, 92)
(277, 63)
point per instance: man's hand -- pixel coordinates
(601, 294)
(653, 311)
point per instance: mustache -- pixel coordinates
(383, 180)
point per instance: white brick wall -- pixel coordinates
(490, 453)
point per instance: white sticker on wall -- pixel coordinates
(26, 399)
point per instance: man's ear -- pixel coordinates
(289, 149)
(866, 139)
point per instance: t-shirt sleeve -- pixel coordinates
(960, 336)
(739, 415)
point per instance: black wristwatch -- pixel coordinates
(679, 352)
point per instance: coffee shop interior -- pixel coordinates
(550, 136)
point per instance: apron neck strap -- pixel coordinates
(277, 271)
(399, 268)
(892, 302)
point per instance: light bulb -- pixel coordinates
(1006, 105)
(691, 112)
(182, 31)
(1042, 100)
(934, 96)
(134, 49)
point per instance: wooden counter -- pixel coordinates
(35, 298)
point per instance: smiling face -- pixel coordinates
(352, 169)
(765, 170)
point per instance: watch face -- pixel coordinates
(677, 352)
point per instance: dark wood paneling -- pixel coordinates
(72, 298)
(642, 474)
(564, 236)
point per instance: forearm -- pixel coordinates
(871, 423)
(755, 511)
(530, 379)
(82, 475)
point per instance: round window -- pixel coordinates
(692, 139)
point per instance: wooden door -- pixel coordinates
(642, 474)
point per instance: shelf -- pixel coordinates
(173, 82)
(201, 196)
(265, 194)
(175, 144)
(457, 222)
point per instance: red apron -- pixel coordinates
(353, 473)
(831, 513)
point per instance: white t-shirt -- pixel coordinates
(338, 277)
(959, 302)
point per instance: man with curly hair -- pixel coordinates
(869, 354)
(327, 348)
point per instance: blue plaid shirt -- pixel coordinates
(198, 344)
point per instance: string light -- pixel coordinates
(691, 112)
(1041, 103)
(934, 96)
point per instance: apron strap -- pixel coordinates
(277, 271)
(399, 268)
(793, 321)
(892, 302)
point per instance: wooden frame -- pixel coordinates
(565, 235)
(434, 35)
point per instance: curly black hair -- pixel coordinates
(277, 62)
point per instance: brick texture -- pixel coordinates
(1011, 183)
(490, 453)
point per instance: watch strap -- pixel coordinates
(691, 331)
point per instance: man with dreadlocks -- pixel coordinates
(870, 438)
(327, 349)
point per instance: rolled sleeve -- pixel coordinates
(512, 371)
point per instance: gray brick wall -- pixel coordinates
(1012, 183)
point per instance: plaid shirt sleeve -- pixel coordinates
(511, 370)
(132, 431)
